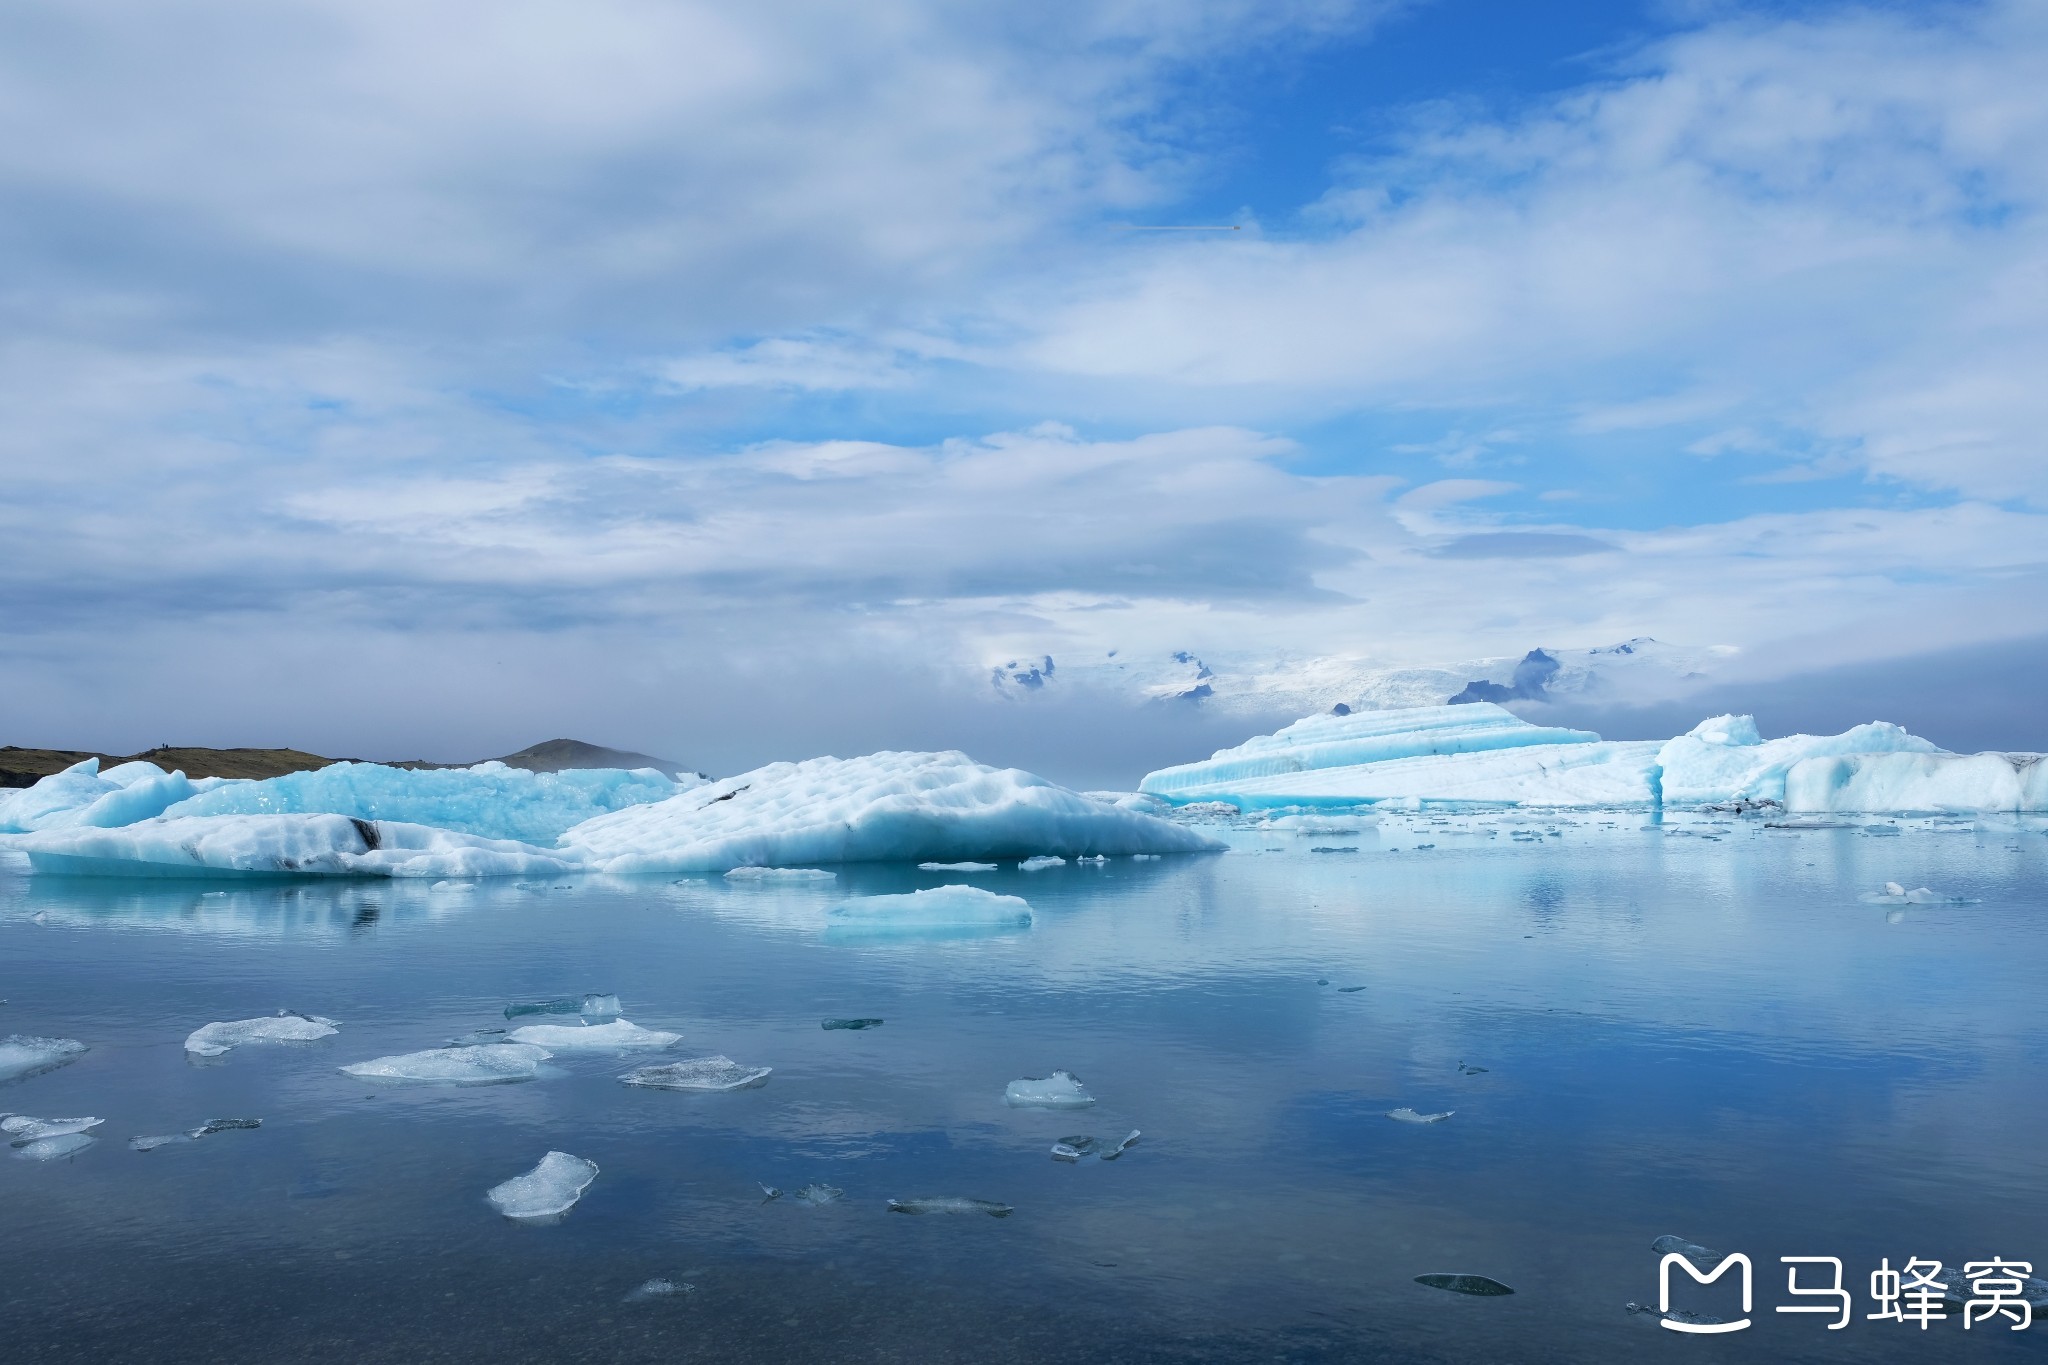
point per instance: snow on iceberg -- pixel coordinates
(1869, 782)
(490, 800)
(886, 807)
(283, 845)
(83, 796)
(940, 909)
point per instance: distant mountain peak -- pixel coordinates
(559, 755)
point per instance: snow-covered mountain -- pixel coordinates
(1641, 669)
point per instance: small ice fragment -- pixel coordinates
(22, 1128)
(780, 874)
(1668, 1245)
(1685, 1315)
(1349, 990)
(1040, 863)
(1064, 1151)
(211, 1040)
(659, 1289)
(1129, 1138)
(590, 1006)
(940, 910)
(1881, 829)
(818, 1194)
(987, 1206)
(1464, 1070)
(150, 1144)
(959, 867)
(1322, 981)
(1097, 860)
(1061, 1090)
(212, 1126)
(1484, 1286)
(547, 1191)
(1895, 894)
(481, 1037)
(1080, 1142)
(850, 1023)
(1407, 1115)
(1144, 857)
(769, 1194)
(488, 1064)
(452, 886)
(22, 1055)
(1348, 848)
(55, 1147)
(619, 1035)
(699, 1073)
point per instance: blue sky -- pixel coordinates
(397, 380)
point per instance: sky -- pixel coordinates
(736, 383)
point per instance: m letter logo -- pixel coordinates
(1664, 1292)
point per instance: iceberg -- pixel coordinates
(886, 807)
(1725, 759)
(939, 909)
(1919, 781)
(283, 846)
(211, 1040)
(699, 1073)
(616, 1036)
(490, 800)
(22, 1055)
(1040, 863)
(1061, 1090)
(485, 1064)
(547, 1191)
(82, 796)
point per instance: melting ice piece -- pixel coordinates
(1061, 1090)
(818, 1194)
(1069, 1150)
(206, 1129)
(978, 867)
(547, 1191)
(938, 910)
(1144, 857)
(850, 1023)
(489, 1064)
(1349, 990)
(1684, 1315)
(1895, 894)
(285, 1026)
(659, 1289)
(54, 1148)
(1325, 848)
(1097, 860)
(617, 1036)
(699, 1073)
(1464, 1070)
(150, 1144)
(1041, 862)
(23, 1055)
(589, 1006)
(1113, 1153)
(987, 1206)
(1407, 1115)
(780, 874)
(22, 1128)
(1485, 1286)
(1668, 1245)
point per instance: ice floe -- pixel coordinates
(286, 1026)
(1407, 1115)
(589, 1006)
(1482, 1286)
(699, 1073)
(617, 1036)
(855, 1024)
(963, 867)
(282, 845)
(488, 1064)
(1896, 894)
(1073, 1149)
(21, 1128)
(1061, 1090)
(780, 874)
(204, 1130)
(23, 1055)
(1040, 863)
(938, 909)
(951, 1205)
(547, 1191)
(53, 1148)
(908, 807)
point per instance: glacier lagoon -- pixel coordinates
(1689, 1025)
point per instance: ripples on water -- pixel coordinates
(1692, 1028)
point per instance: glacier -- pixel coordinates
(885, 807)
(1481, 753)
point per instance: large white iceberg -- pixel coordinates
(283, 845)
(491, 800)
(1482, 753)
(938, 807)
(83, 796)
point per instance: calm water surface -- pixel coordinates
(1694, 1028)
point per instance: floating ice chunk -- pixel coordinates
(23, 1055)
(1040, 863)
(547, 1191)
(452, 886)
(659, 1289)
(940, 908)
(285, 1026)
(982, 867)
(1144, 857)
(206, 1129)
(589, 1006)
(1482, 1286)
(1725, 760)
(1130, 1139)
(886, 807)
(1669, 1245)
(817, 1194)
(780, 874)
(1097, 861)
(55, 1147)
(699, 1073)
(150, 1144)
(1895, 894)
(284, 846)
(1349, 990)
(1684, 1315)
(1061, 1090)
(1347, 848)
(212, 1126)
(489, 1064)
(21, 1128)
(1464, 1070)
(769, 1193)
(851, 1023)
(1324, 824)
(1407, 1115)
(617, 1036)
(987, 1206)
(1922, 781)
(1072, 1149)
